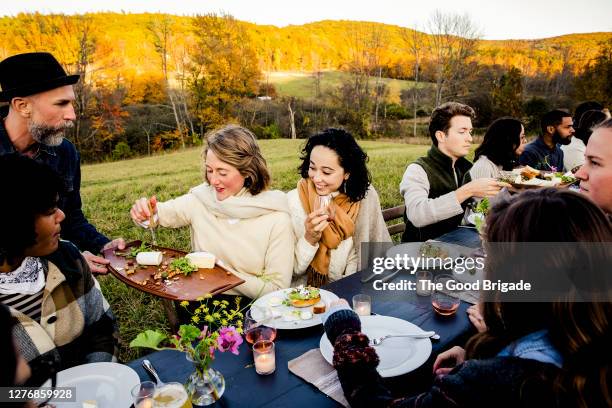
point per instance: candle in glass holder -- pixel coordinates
(362, 305)
(423, 280)
(142, 394)
(263, 354)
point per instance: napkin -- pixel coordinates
(312, 367)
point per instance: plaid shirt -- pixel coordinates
(76, 325)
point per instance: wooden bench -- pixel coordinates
(390, 214)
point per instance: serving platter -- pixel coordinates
(199, 283)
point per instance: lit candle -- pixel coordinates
(145, 403)
(263, 354)
(362, 305)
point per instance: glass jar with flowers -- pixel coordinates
(215, 326)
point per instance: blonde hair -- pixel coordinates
(238, 147)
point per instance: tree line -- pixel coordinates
(153, 82)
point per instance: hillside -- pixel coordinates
(123, 47)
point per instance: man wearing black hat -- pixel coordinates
(40, 111)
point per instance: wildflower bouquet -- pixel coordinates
(221, 330)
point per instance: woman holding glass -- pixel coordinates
(232, 214)
(333, 209)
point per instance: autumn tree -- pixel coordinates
(224, 68)
(507, 94)
(415, 42)
(453, 39)
(595, 83)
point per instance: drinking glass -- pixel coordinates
(443, 303)
(171, 395)
(423, 279)
(142, 394)
(254, 331)
(326, 202)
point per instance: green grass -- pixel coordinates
(109, 189)
(302, 84)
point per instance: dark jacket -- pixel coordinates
(539, 156)
(495, 382)
(441, 176)
(65, 160)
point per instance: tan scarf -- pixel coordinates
(339, 229)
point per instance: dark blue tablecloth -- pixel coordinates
(244, 388)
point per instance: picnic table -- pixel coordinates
(244, 387)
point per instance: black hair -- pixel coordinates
(7, 345)
(29, 189)
(553, 118)
(351, 157)
(501, 139)
(588, 120)
(586, 106)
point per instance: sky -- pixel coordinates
(507, 19)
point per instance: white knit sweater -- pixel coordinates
(344, 260)
(252, 235)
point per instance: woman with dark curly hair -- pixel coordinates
(537, 354)
(334, 172)
(62, 316)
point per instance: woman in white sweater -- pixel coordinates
(233, 215)
(329, 236)
(503, 143)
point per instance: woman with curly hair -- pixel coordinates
(329, 239)
(62, 316)
(538, 354)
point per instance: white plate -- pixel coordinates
(262, 304)
(398, 355)
(109, 384)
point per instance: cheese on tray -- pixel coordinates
(204, 260)
(149, 258)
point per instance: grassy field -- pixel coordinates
(109, 189)
(302, 84)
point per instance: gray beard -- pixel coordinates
(48, 135)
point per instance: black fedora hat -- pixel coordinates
(31, 73)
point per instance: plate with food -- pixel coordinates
(293, 308)
(97, 385)
(528, 178)
(398, 355)
(432, 255)
(170, 273)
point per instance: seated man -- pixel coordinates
(436, 187)
(596, 173)
(544, 153)
(46, 283)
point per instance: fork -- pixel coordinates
(424, 335)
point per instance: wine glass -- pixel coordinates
(254, 329)
(326, 202)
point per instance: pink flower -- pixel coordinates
(229, 339)
(553, 168)
(203, 333)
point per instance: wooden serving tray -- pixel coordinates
(198, 283)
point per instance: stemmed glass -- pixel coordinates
(255, 330)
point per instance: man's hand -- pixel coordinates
(97, 264)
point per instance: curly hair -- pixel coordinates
(33, 189)
(350, 156)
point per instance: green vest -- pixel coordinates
(439, 169)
